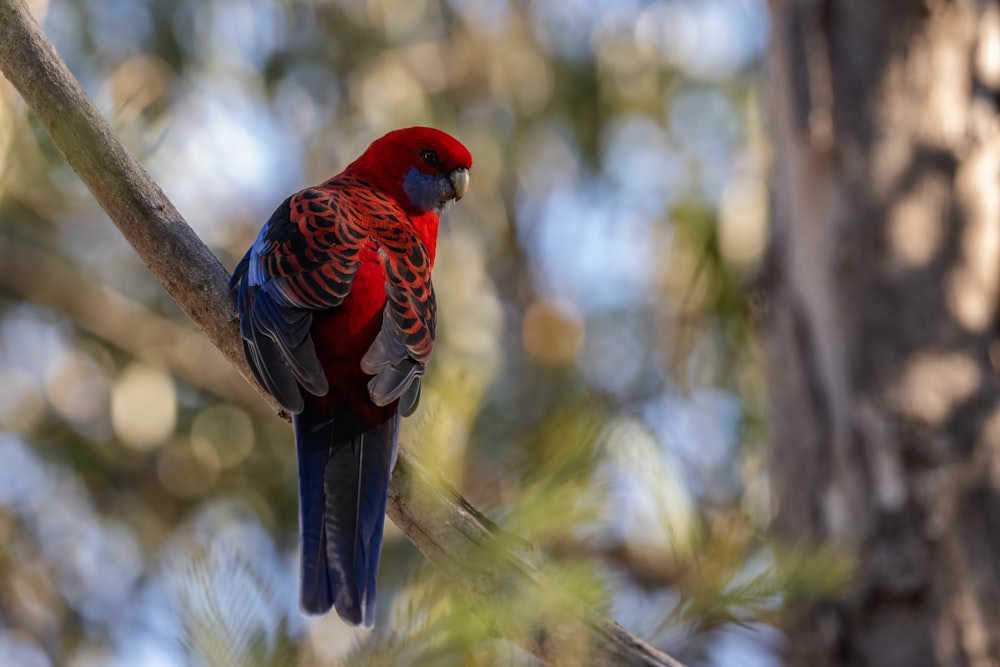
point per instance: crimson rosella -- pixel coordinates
(337, 316)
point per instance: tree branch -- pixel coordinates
(442, 525)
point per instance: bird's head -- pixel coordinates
(422, 168)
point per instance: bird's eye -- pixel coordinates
(430, 157)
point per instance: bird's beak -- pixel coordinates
(459, 182)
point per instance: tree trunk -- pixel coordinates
(880, 316)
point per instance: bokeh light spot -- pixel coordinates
(186, 471)
(143, 407)
(77, 387)
(21, 405)
(227, 431)
(552, 333)
(743, 222)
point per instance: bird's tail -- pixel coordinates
(343, 484)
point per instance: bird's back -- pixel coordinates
(342, 336)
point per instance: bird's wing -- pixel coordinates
(304, 259)
(399, 355)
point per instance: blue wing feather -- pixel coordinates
(275, 330)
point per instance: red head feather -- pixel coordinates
(388, 160)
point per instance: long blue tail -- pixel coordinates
(343, 484)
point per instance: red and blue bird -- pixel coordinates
(337, 316)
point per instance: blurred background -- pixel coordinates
(595, 388)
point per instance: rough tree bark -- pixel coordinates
(881, 304)
(448, 531)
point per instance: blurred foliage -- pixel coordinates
(594, 390)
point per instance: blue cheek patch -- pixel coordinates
(426, 191)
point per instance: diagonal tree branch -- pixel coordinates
(448, 531)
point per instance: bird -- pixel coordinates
(337, 315)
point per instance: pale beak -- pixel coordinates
(459, 182)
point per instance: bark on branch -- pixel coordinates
(442, 525)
